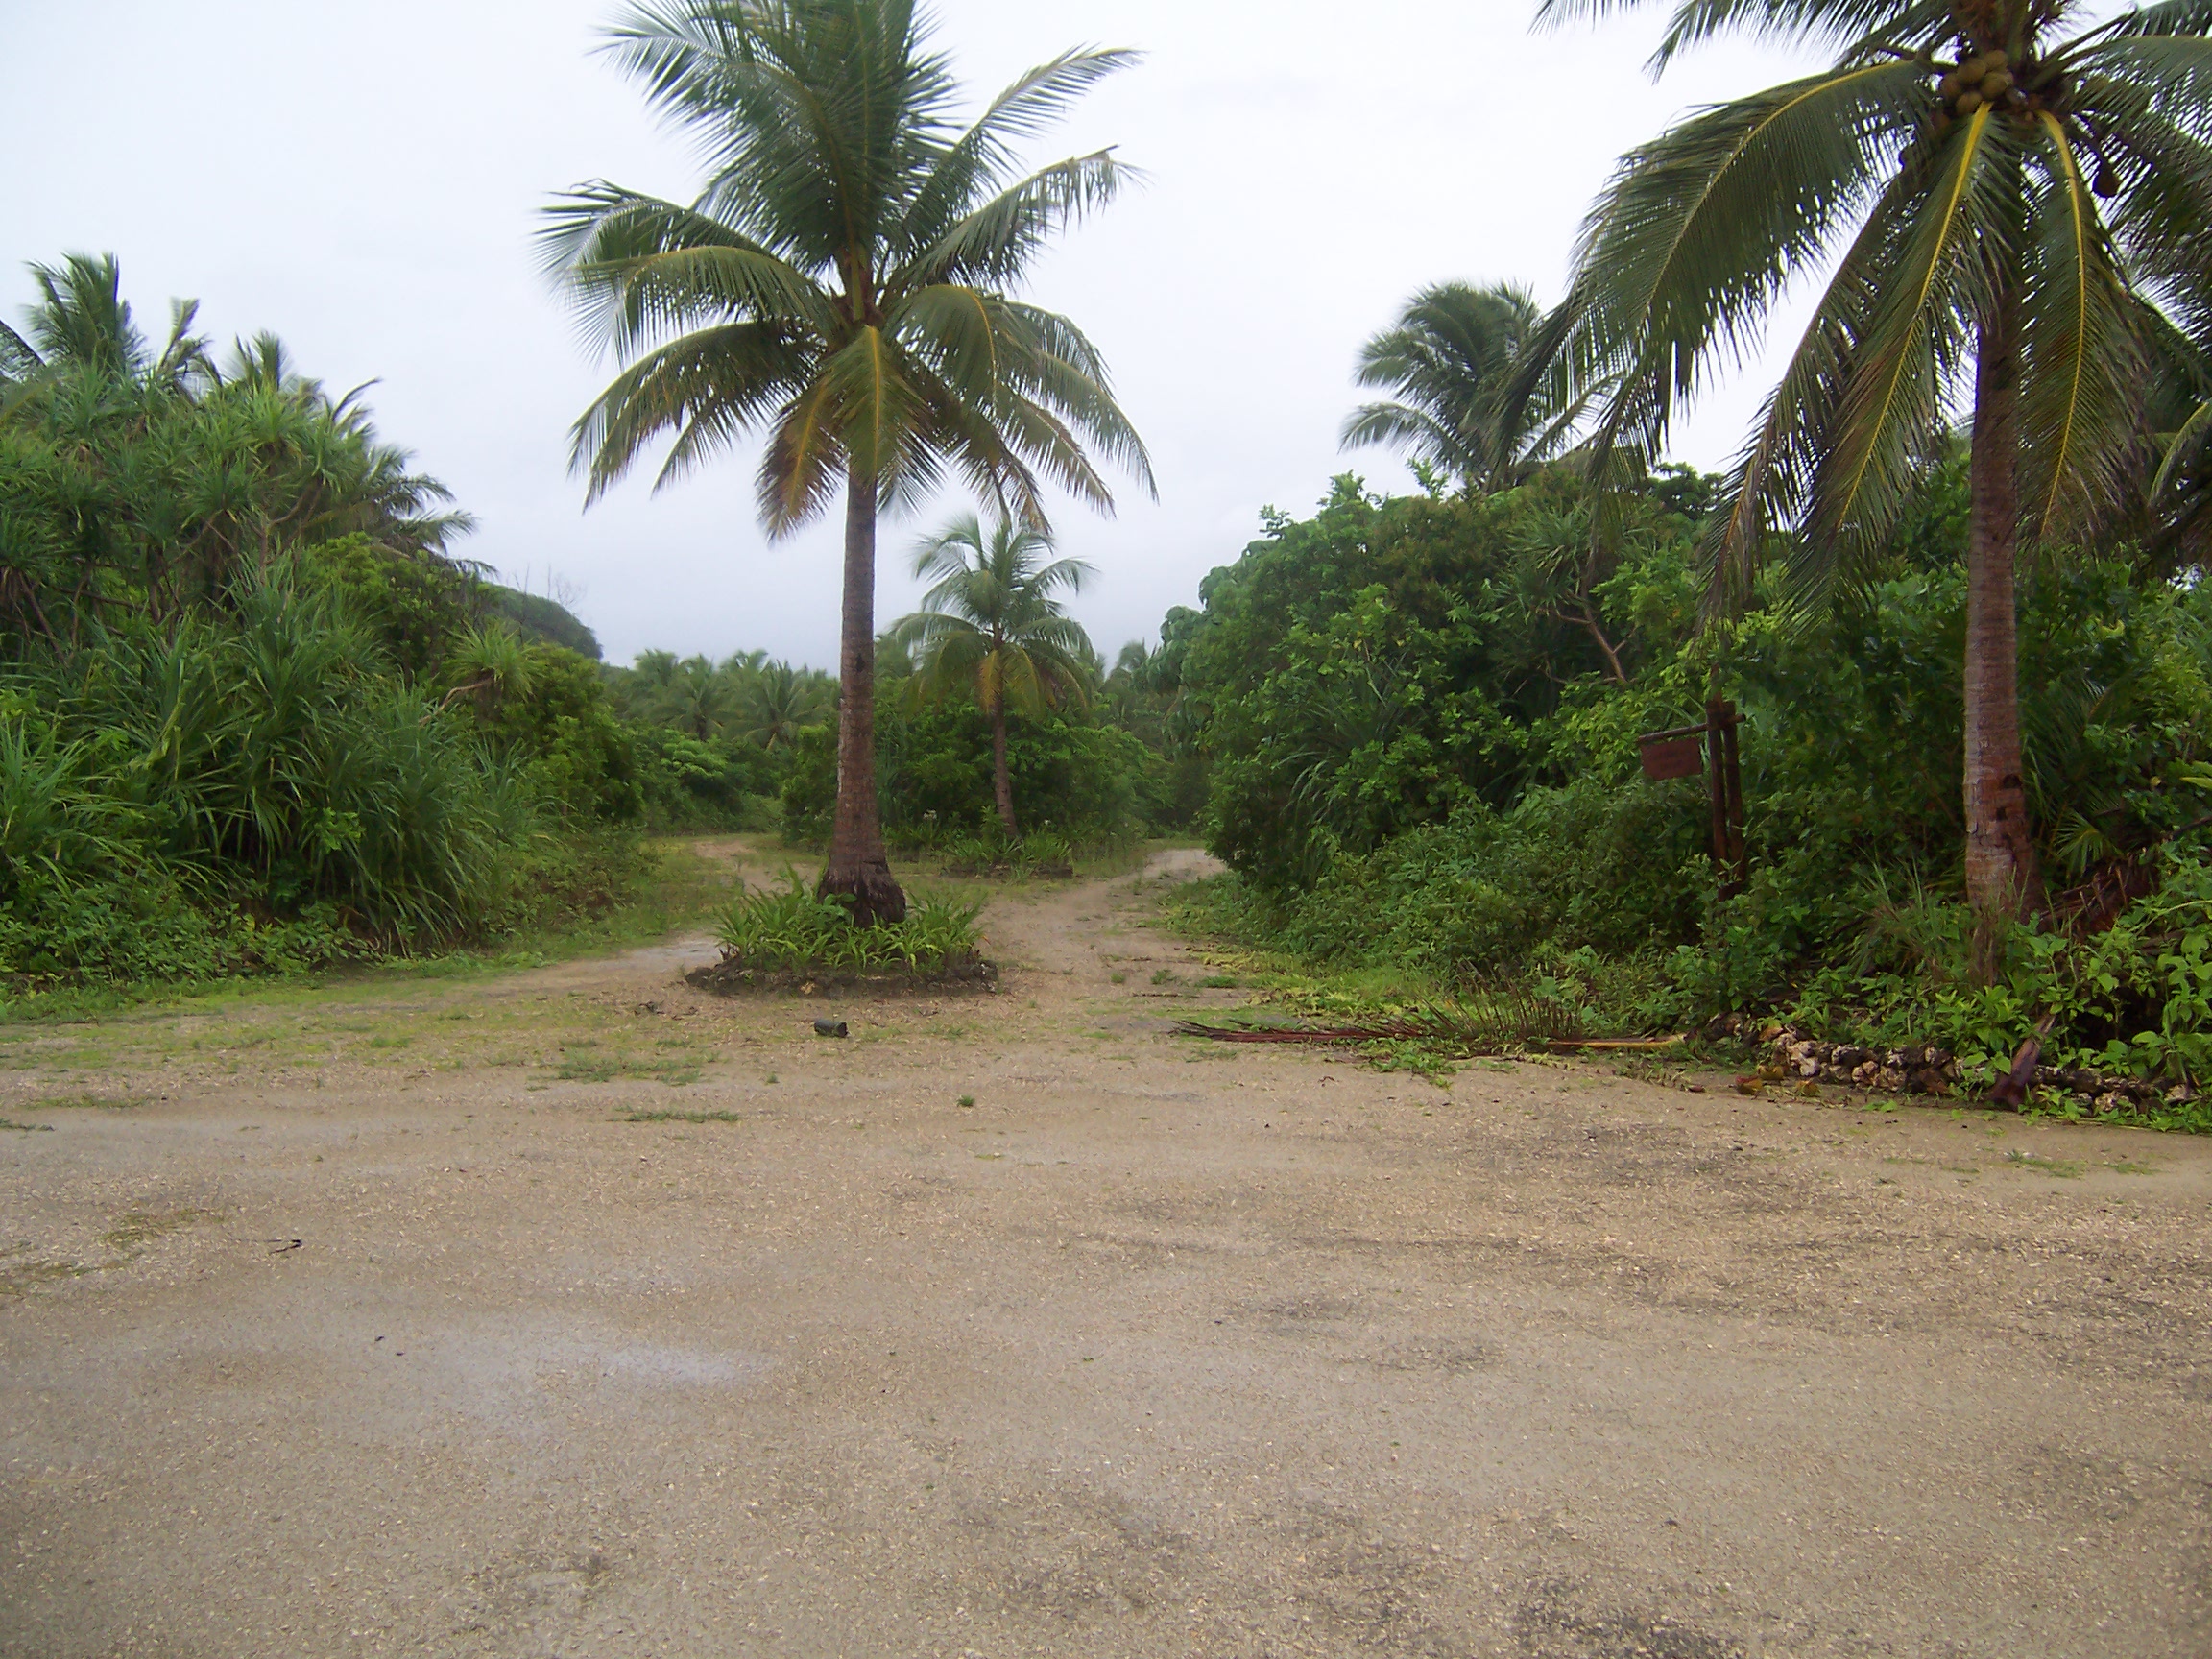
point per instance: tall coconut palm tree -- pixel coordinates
(842, 280)
(2006, 187)
(1451, 358)
(993, 624)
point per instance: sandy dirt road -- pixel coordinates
(369, 1322)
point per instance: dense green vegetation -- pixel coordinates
(252, 715)
(717, 741)
(752, 745)
(2013, 198)
(1422, 716)
(255, 717)
(1987, 450)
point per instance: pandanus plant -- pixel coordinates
(2016, 201)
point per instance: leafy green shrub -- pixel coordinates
(793, 928)
(1386, 664)
(141, 929)
(1485, 892)
(248, 789)
(581, 758)
(973, 855)
(2134, 999)
(412, 603)
(716, 784)
(251, 717)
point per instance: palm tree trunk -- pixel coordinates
(2002, 879)
(1001, 780)
(858, 864)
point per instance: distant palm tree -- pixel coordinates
(1450, 357)
(697, 697)
(2000, 185)
(843, 282)
(784, 702)
(993, 625)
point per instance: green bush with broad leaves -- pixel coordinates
(1423, 734)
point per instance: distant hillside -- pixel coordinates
(537, 617)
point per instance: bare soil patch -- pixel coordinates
(581, 1311)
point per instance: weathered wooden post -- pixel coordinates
(1729, 860)
(1685, 751)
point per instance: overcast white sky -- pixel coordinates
(364, 179)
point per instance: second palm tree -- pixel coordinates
(993, 624)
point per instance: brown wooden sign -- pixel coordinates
(1666, 757)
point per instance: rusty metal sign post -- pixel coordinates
(1684, 752)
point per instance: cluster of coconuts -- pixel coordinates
(1984, 79)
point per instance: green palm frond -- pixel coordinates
(709, 387)
(984, 155)
(2082, 372)
(2168, 17)
(2171, 73)
(996, 242)
(1700, 231)
(637, 268)
(1836, 25)
(805, 462)
(2183, 449)
(956, 330)
(875, 405)
(19, 360)
(1904, 364)
(1402, 426)
(1771, 489)
(2161, 224)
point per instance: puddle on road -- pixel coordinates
(520, 1374)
